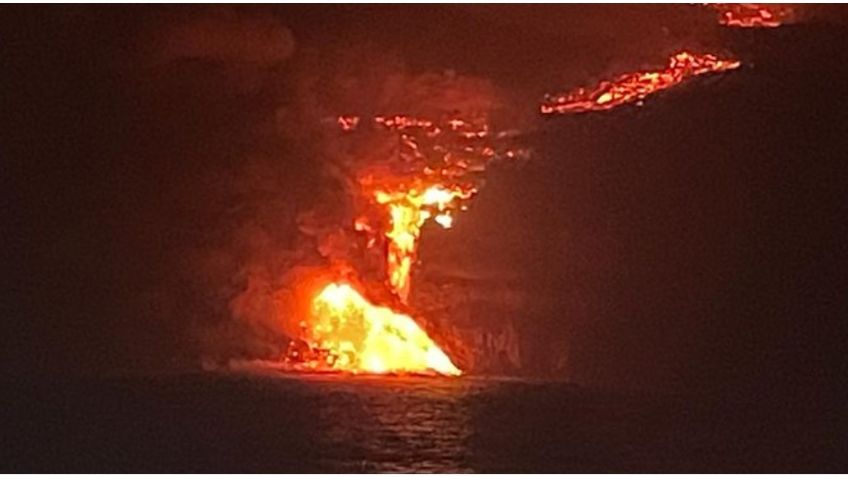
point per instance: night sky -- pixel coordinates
(154, 157)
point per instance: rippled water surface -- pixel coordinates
(270, 422)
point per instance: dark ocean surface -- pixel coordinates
(250, 422)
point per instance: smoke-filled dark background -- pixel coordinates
(157, 160)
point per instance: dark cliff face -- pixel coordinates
(690, 242)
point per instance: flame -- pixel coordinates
(434, 176)
(753, 15)
(431, 177)
(429, 171)
(633, 87)
(408, 211)
(348, 333)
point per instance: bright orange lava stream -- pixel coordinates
(349, 333)
(346, 332)
(753, 15)
(358, 336)
(343, 330)
(633, 87)
(408, 211)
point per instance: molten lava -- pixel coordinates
(402, 172)
(634, 87)
(435, 172)
(430, 173)
(753, 15)
(346, 332)
(408, 211)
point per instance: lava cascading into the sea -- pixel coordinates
(434, 172)
(348, 333)
(441, 162)
(408, 210)
(753, 15)
(634, 87)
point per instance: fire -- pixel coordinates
(348, 333)
(433, 175)
(753, 15)
(634, 87)
(403, 171)
(408, 211)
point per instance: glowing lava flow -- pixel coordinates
(426, 169)
(439, 167)
(348, 333)
(408, 211)
(431, 176)
(633, 87)
(753, 15)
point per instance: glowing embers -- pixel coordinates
(633, 87)
(348, 123)
(348, 333)
(753, 15)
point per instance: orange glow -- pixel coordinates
(440, 165)
(753, 15)
(346, 332)
(348, 123)
(634, 87)
(408, 211)
(431, 176)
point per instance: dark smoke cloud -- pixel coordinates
(225, 36)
